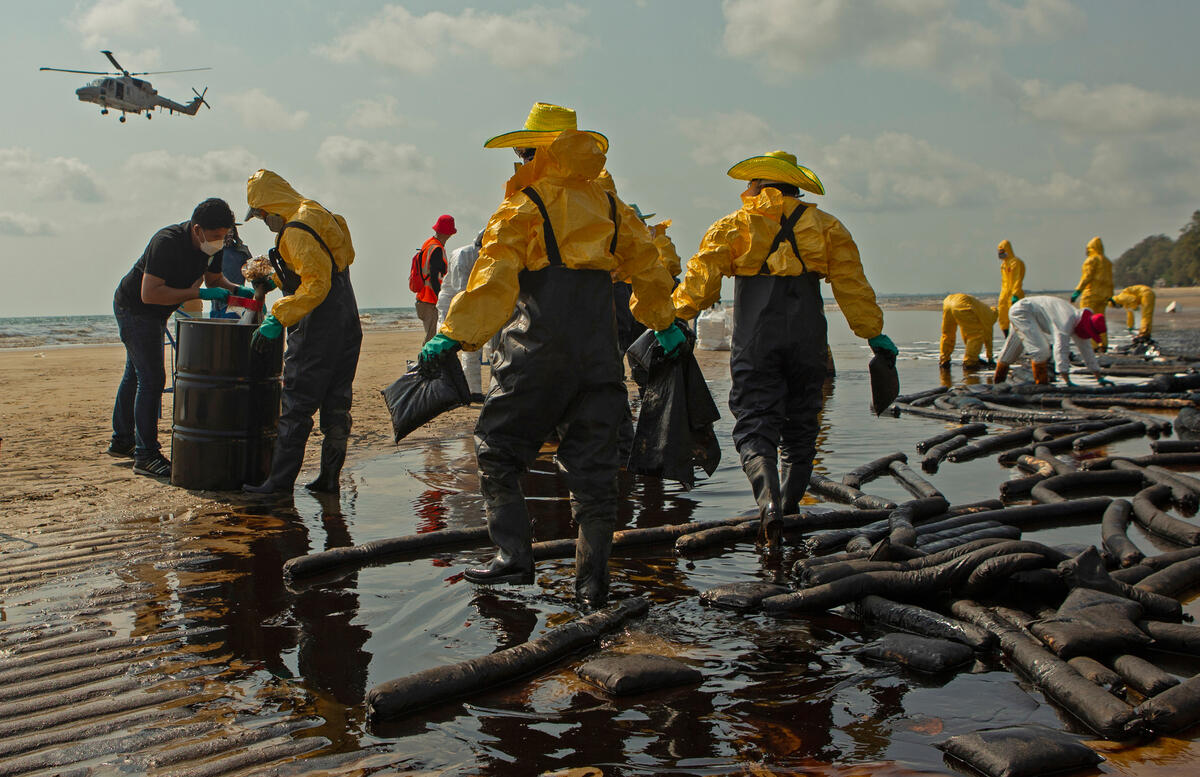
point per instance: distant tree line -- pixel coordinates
(1159, 259)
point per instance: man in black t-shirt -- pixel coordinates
(177, 260)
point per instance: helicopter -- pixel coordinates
(122, 92)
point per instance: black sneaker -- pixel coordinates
(156, 466)
(120, 451)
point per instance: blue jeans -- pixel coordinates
(139, 397)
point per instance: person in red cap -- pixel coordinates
(433, 269)
(1041, 324)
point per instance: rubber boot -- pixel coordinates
(764, 481)
(794, 486)
(1001, 373)
(333, 456)
(285, 465)
(592, 549)
(508, 526)
(1041, 373)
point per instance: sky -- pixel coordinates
(938, 127)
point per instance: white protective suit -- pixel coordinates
(462, 261)
(1041, 322)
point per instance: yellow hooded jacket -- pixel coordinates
(1012, 275)
(974, 318)
(564, 174)
(300, 252)
(1134, 297)
(1096, 282)
(737, 245)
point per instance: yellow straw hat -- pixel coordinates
(777, 166)
(541, 128)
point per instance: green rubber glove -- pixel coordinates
(214, 294)
(1014, 299)
(245, 292)
(882, 342)
(265, 283)
(671, 339)
(1103, 381)
(437, 345)
(270, 329)
(1075, 295)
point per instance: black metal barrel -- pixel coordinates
(226, 405)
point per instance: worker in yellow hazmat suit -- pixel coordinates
(778, 247)
(1134, 298)
(1012, 276)
(312, 257)
(962, 311)
(552, 251)
(1095, 286)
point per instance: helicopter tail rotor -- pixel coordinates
(200, 97)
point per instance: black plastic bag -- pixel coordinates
(674, 432)
(637, 673)
(1020, 751)
(924, 654)
(427, 390)
(1174, 709)
(885, 381)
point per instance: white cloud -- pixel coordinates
(109, 20)
(802, 35)
(375, 114)
(535, 37)
(53, 178)
(355, 156)
(1115, 109)
(258, 110)
(933, 36)
(897, 172)
(218, 168)
(23, 225)
(1042, 18)
(727, 137)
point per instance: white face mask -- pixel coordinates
(210, 247)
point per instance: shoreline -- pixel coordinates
(54, 422)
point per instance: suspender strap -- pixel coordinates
(787, 231)
(547, 229)
(612, 214)
(301, 225)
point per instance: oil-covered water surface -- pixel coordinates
(779, 695)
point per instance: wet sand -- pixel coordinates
(54, 422)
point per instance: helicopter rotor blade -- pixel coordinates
(161, 72)
(113, 60)
(200, 97)
(85, 72)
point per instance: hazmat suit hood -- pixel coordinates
(572, 155)
(1095, 247)
(1006, 248)
(270, 192)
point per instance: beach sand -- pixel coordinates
(55, 423)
